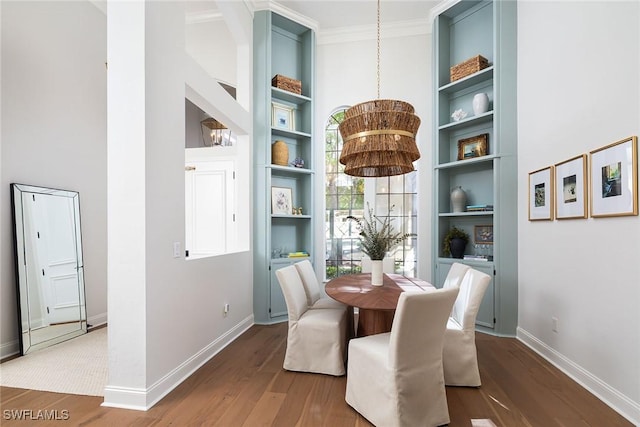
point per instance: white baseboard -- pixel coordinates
(9, 349)
(125, 398)
(97, 320)
(142, 400)
(603, 391)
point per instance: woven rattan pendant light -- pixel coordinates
(380, 135)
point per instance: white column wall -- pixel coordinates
(578, 90)
(179, 321)
(127, 204)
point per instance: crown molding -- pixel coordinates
(412, 27)
(335, 35)
(276, 7)
(441, 7)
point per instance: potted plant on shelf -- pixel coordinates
(377, 238)
(455, 242)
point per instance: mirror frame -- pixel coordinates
(27, 343)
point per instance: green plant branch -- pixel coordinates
(453, 233)
(377, 235)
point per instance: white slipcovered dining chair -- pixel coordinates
(455, 274)
(396, 378)
(315, 298)
(316, 339)
(459, 356)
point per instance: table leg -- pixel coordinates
(351, 329)
(372, 322)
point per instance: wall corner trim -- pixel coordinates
(603, 391)
(144, 399)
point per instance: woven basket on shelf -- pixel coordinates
(280, 153)
(287, 83)
(468, 67)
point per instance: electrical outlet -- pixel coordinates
(554, 324)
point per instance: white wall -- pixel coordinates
(213, 47)
(578, 90)
(54, 132)
(346, 75)
(179, 304)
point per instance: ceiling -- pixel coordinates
(331, 14)
(335, 14)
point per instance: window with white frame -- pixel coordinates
(347, 195)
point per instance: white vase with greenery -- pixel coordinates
(376, 272)
(377, 239)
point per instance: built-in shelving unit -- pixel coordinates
(287, 48)
(462, 31)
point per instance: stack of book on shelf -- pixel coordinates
(478, 258)
(479, 208)
(300, 254)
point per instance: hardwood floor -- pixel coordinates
(245, 385)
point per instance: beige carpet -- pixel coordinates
(77, 366)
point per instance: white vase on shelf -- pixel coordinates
(376, 272)
(480, 103)
(458, 199)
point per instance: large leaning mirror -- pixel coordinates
(50, 272)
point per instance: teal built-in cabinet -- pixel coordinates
(462, 31)
(287, 48)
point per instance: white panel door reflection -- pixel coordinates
(55, 258)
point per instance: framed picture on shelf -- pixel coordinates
(571, 188)
(541, 194)
(483, 234)
(476, 146)
(614, 179)
(281, 203)
(282, 116)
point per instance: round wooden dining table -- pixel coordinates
(376, 304)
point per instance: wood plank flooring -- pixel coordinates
(245, 385)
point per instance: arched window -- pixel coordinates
(346, 195)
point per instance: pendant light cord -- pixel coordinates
(378, 37)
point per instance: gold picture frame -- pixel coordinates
(475, 146)
(541, 194)
(571, 188)
(483, 234)
(614, 179)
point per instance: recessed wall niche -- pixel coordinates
(194, 115)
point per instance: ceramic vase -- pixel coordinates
(458, 199)
(376, 272)
(480, 103)
(457, 247)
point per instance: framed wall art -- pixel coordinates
(541, 194)
(282, 116)
(281, 203)
(571, 188)
(483, 234)
(614, 179)
(475, 146)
